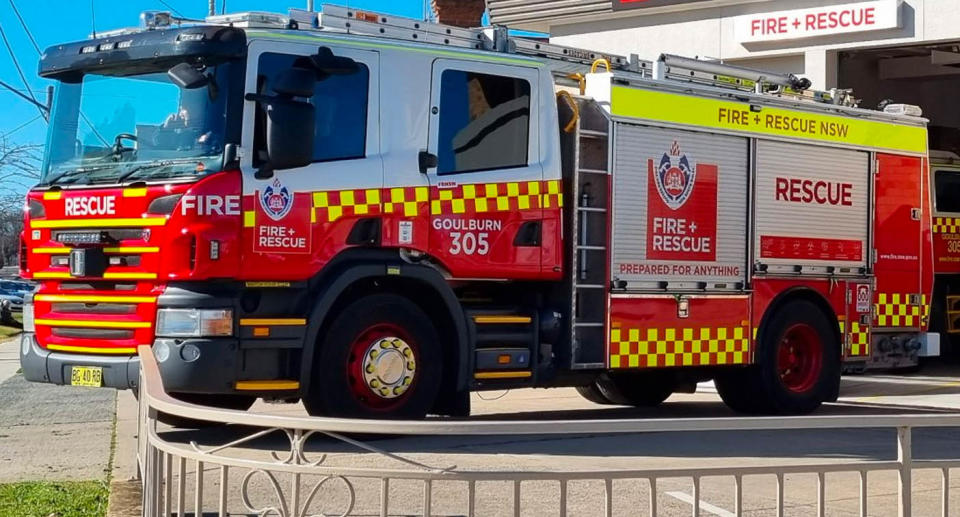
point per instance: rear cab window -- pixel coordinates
(484, 122)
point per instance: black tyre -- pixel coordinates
(592, 393)
(797, 365)
(222, 401)
(380, 358)
(646, 388)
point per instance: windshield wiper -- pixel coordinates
(75, 172)
(155, 165)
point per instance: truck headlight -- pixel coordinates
(194, 322)
(28, 325)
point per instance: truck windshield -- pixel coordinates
(111, 128)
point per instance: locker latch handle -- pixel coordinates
(915, 214)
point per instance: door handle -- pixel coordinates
(426, 160)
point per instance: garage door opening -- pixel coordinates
(927, 76)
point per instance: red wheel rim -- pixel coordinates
(800, 358)
(376, 377)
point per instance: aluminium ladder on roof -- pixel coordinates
(563, 60)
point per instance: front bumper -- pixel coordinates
(41, 365)
(200, 365)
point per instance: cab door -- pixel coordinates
(484, 168)
(297, 220)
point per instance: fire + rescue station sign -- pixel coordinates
(818, 21)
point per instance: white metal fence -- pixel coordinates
(324, 468)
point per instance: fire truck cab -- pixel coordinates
(379, 215)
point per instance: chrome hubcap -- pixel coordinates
(389, 367)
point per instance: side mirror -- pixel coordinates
(187, 77)
(290, 134)
(290, 122)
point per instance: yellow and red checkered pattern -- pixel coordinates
(330, 206)
(859, 338)
(405, 200)
(659, 348)
(895, 310)
(496, 197)
(946, 225)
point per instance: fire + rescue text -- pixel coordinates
(671, 234)
(787, 123)
(280, 237)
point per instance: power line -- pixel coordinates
(21, 126)
(25, 28)
(172, 8)
(31, 99)
(26, 84)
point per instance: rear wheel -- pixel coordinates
(797, 365)
(637, 388)
(380, 358)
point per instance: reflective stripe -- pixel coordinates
(859, 338)
(51, 274)
(249, 219)
(502, 319)
(95, 324)
(712, 113)
(895, 310)
(135, 192)
(81, 298)
(503, 375)
(52, 196)
(946, 225)
(92, 349)
(130, 276)
(122, 249)
(267, 385)
(104, 223)
(657, 348)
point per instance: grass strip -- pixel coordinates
(60, 498)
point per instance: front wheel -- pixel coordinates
(797, 365)
(380, 358)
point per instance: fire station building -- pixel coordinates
(907, 51)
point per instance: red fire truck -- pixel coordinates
(379, 215)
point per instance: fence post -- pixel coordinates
(905, 459)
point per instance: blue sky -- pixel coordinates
(60, 21)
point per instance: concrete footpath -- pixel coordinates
(51, 433)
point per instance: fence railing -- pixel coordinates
(334, 466)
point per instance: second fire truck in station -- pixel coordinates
(379, 215)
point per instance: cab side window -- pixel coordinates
(948, 191)
(341, 110)
(484, 122)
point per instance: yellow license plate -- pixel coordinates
(86, 376)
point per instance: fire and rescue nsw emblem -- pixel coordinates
(276, 200)
(675, 178)
(681, 210)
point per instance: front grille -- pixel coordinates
(78, 333)
(97, 286)
(95, 308)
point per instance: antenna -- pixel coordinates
(93, 20)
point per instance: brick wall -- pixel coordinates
(463, 13)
